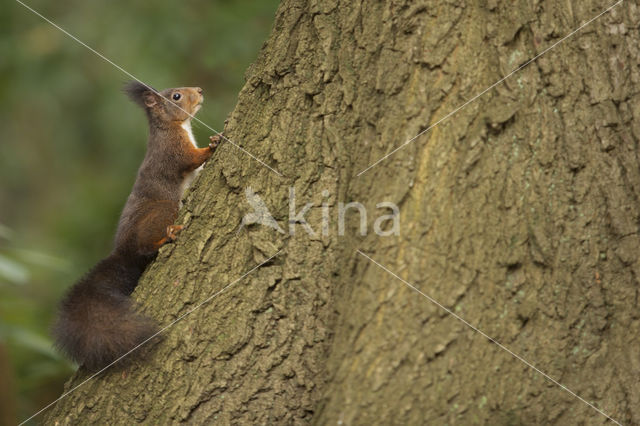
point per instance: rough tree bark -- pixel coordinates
(519, 213)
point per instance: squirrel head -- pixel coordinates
(169, 105)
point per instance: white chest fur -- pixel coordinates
(186, 125)
(191, 176)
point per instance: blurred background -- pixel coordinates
(71, 142)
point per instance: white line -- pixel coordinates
(152, 89)
(148, 339)
(490, 87)
(492, 340)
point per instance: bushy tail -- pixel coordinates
(97, 324)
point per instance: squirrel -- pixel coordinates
(96, 322)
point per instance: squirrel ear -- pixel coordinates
(141, 94)
(149, 98)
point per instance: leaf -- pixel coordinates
(12, 271)
(42, 259)
(33, 341)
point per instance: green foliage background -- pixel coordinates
(71, 144)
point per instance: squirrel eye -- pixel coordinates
(176, 96)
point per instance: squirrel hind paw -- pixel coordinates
(173, 231)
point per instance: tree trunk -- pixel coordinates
(519, 213)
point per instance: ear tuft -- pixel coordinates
(140, 93)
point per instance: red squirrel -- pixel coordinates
(96, 322)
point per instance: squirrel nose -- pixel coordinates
(199, 89)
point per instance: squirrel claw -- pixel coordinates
(173, 231)
(215, 141)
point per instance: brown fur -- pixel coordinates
(96, 323)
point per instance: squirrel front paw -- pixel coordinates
(215, 141)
